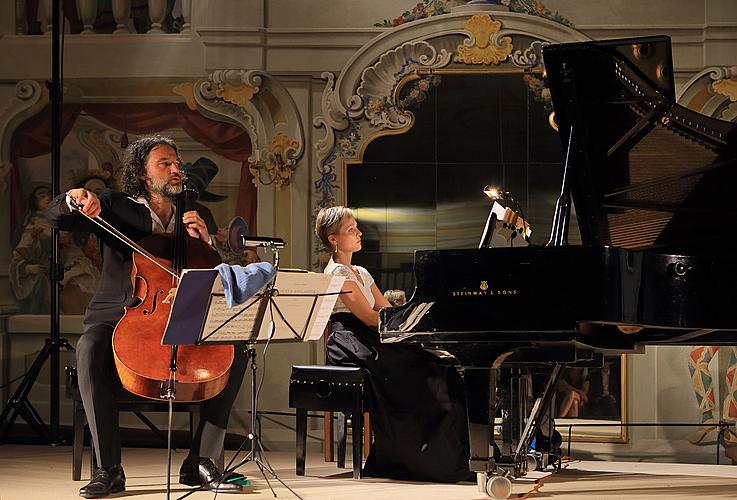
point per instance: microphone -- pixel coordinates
(237, 232)
(239, 239)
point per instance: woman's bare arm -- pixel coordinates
(358, 305)
(379, 298)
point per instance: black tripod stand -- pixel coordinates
(256, 452)
(18, 404)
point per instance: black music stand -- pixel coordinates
(200, 315)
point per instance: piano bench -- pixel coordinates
(329, 388)
(126, 402)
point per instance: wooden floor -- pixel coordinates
(29, 472)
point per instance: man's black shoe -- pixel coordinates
(197, 471)
(105, 480)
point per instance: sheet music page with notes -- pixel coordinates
(301, 310)
(224, 323)
(301, 307)
(200, 313)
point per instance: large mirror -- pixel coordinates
(423, 189)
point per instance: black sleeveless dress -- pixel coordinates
(416, 403)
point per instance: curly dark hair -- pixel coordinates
(134, 163)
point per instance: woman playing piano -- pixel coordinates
(416, 399)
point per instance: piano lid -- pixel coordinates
(647, 172)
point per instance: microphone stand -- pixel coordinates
(18, 404)
(170, 394)
(256, 453)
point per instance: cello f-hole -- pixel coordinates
(153, 303)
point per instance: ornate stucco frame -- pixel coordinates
(360, 105)
(712, 92)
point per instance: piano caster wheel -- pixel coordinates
(531, 463)
(498, 487)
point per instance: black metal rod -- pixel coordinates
(561, 218)
(647, 424)
(56, 101)
(722, 424)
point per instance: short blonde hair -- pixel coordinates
(328, 221)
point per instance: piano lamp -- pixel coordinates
(492, 192)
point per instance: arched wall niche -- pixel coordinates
(364, 104)
(252, 99)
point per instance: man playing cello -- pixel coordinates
(151, 178)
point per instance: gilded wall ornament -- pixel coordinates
(485, 45)
(275, 164)
(186, 90)
(239, 94)
(726, 87)
(429, 8)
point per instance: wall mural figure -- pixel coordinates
(703, 386)
(81, 273)
(199, 174)
(705, 94)
(79, 253)
(29, 264)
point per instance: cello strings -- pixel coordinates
(122, 237)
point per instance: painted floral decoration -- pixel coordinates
(348, 138)
(538, 85)
(536, 8)
(426, 8)
(418, 91)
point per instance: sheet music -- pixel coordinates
(298, 310)
(240, 328)
(325, 308)
(415, 316)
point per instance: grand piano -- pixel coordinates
(652, 184)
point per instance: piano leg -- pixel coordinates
(483, 403)
(479, 403)
(494, 465)
(517, 408)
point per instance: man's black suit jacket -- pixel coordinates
(133, 219)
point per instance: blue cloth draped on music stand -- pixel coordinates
(242, 282)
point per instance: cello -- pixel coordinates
(145, 366)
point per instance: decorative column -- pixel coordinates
(45, 14)
(20, 17)
(186, 16)
(121, 14)
(87, 10)
(157, 14)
